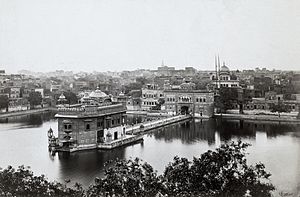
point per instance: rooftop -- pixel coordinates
(89, 111)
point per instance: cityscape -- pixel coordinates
(113, 111)
(150, 98)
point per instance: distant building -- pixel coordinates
(150, 96)
(224, 78)
(55, 88)
(15, 92)
(40, 90)
(134, 104)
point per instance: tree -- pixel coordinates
(4, 102)
(223, 172)
(200, 83)
(22, 182)
(71, 97)
(228, 97)
(142, 80)
(158, 105)
(35, 98)
(133, 86)
(127, 178)
(280, 107)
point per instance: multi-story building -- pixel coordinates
(151, 93)
(14, 92)
(199, 103)
(55, 88)
(89, 126)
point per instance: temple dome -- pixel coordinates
(62, 96)
(224, 69)
(97, 94)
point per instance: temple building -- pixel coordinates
(92, 123)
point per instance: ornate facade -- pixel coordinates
(86, 126)
(185, 101)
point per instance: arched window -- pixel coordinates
(87, 127)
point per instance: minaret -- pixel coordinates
(219, 65)
(219, 71)
(216, 68)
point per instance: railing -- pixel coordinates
(95, 110)
(120, 142)
(153, 124)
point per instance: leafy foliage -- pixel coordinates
(280, 107)
(127, 178)
(228, 97)
(71, 97)
(4, 101)
(158, 105)
(223, 172)
(22, 182)
(35, 98)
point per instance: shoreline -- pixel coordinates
(27, 112)
(258, 117)
(253, 117)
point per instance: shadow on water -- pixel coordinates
(195, 130)
(85, 166)
(188, 132)
(30, 120)
(247, 129)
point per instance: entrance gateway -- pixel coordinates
(184, 110)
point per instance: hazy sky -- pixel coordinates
(101, 35)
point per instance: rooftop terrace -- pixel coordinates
(89, 111)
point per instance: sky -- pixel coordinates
(116, 35)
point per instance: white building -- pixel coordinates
(150, 96)
(223, 78)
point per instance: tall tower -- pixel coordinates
(216, 69)
(219, 67)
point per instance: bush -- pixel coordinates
(22, 182)
(223, 172)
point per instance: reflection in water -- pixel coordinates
(30, 120)
(85, 166)
(188, 132)
(276, 145)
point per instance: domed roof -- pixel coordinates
(97, 94)
(224, 69)
(62, 96)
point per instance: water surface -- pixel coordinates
(23, 141)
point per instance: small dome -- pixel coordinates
(224, 69)
(97, 94)
(62, 96)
